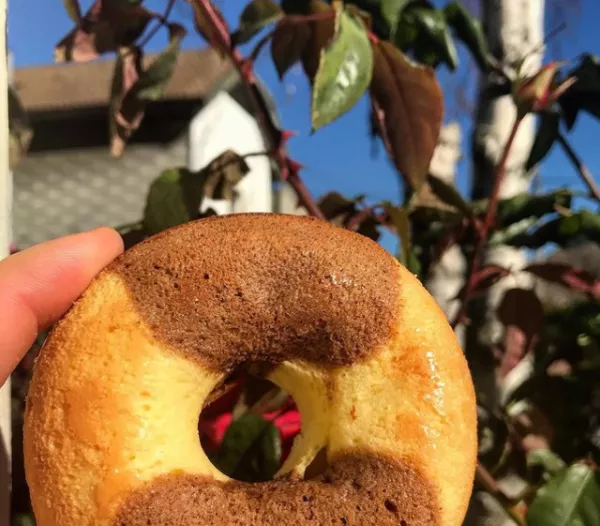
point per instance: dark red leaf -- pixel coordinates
(322, 31)
(106, 27)
(288, 44)
(522, 314)
(205, 26)
(344, 212)
(563, 274)
(73, 10)
(124, 118)
(485, 278)
(134, 87)
(412, 103)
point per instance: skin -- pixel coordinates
(38, 285)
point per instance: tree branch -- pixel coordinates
(584, 173)
(486, 479)
(483, 231)
(289, 168)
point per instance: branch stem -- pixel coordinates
(582, 170)
(483, 231)
(487, 480)
(289, 169)
(161, 22)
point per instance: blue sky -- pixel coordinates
(338, 157)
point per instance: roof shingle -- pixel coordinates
(83, 85)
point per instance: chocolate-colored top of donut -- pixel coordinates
(357, 490)
(254, 288)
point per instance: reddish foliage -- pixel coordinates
(574, 278)
(523, 315)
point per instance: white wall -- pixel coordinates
(223, 124)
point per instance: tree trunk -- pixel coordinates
(447, 276)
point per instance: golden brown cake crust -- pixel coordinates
(276, 288)
(110, 435)
(357, 490)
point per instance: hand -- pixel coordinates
(38, 285)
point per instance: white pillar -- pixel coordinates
(5, 240)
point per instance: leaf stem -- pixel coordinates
(584, 173)
(261, 43)
(161, 22)
(289, 169)
(487, 480)
(483, 230)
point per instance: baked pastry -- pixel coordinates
(376, 371)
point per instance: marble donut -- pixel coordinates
(376, 371)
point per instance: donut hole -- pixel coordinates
(248, 426)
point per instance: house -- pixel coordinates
(69, 182)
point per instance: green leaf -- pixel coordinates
(251, 449)
(449, 194)
(523, 206)
(407, 32)
(571, 498)
(73, 10)
(549, 461)
(562, 231)
(152, 82)
(435, 38)
(412, 104)
(513, 232)
(166, 204)
(469, 30)
(344, 73)
(176, 195)
(546, 459)
(256, 15)
(391, 10)
(399, 219)
(544, 140)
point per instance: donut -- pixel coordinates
(384, 391)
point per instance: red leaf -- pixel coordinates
(288, 44)
(522, 314)
(412, 103)
(322, 31)
(133, 87)
(563, 274)
(124, 118)
(106, 27)
(206, 26)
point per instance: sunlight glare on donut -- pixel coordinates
(248, 426)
